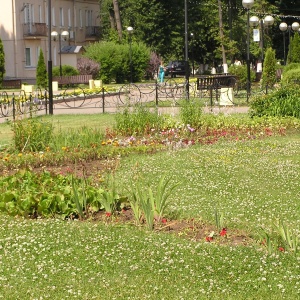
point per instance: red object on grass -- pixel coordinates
(209, 238)
(223, 232)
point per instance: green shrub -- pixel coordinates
(290, 77)
(2, 62)
(283, 102)
(114, 60)
(191, 113)
(269, 70)
(291, 67)
(31, 134)
(241, 73)
(138, 121)
(66, 71)
(41, 71)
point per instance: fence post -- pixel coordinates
(103, 100)
(14, 106)
(46, 102)
(156, 93)
(30, 105)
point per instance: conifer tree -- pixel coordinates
(41, 72)
(269, 70)
(2, 62)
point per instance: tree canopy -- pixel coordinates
(160, 25)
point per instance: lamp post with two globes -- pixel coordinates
(63, 35)
(247, 4)
(265, 22)
(284, 27)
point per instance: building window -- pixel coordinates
(61, 17)
(53, 16)
(80, 18)
(28, 14)
(88, 18)
(69, 18)
(40, 14)
(27, 57)
(46, 14)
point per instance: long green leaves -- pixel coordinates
(151, 205)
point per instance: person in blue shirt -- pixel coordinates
(161, 73)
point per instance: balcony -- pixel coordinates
(92, 32)
(34, 30)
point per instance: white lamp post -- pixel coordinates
(248, 4)
(267, 21)
(284, 27)
(63, 35)
(130, 31)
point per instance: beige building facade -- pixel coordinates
(24, 30)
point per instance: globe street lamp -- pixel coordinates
(64, 35)
(248, 4)
(284, 27)
(266, 22)
(130, 31)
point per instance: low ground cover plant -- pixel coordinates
(238, 196)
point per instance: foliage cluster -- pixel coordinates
(115, 62)
(87, 66)
(66, 71)
(2, 62)
(41, 71)
(290, 73)
(269, 70)
(294, 49)
(138, 120)
(48, 195)
(191, 113)
(148, 205)
(31, 134)
(241, 73)
(280, 103)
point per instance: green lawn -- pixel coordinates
(254, 183)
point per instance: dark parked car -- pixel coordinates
(175, 67)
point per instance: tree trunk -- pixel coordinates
(118, 18)
(225, 67)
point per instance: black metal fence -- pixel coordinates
(168, 94)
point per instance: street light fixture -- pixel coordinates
(267, 21)
(130, 31)
(284, 27)
(247, 4)
(64, 35)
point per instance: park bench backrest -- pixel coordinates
(76, 79)
(11, 84)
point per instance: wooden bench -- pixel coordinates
(215, 82)
(11, 84)
(71, 80)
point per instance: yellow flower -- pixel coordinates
(20, 154)
(103, 143)
(64, 148)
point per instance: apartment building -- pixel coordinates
(24, 30)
